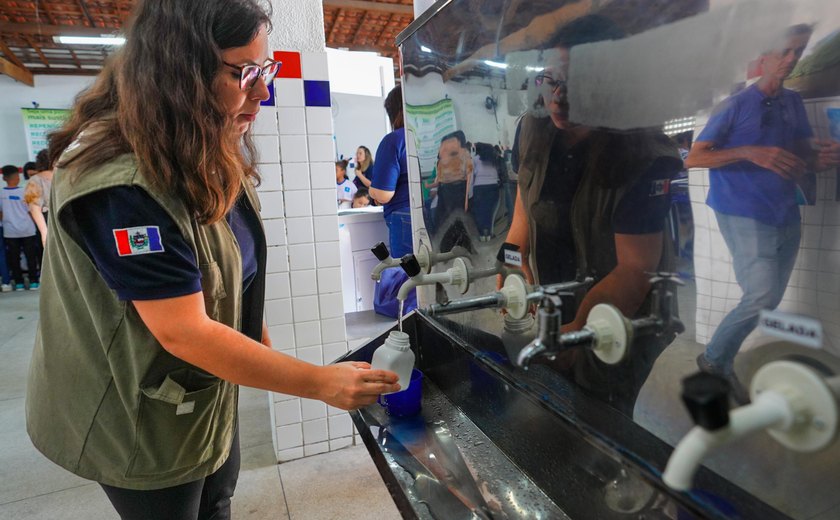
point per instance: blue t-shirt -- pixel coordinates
(169, 269)
(390, 170)
(744, 189)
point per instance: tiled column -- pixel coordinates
(304, 306)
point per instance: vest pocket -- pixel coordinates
(176, 424)
(213, 288)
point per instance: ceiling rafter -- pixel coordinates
(86, 12)
(15, 72)
(336, 23)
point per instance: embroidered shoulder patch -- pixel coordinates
(660, 187)
(138, 241)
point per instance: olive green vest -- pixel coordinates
(104, 399)
(593, 205)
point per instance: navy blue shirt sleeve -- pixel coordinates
(164, 266)
(646, 203)
(386, 166)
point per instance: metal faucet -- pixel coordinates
(425, 258)
(607, 332)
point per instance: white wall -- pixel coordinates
(49, 92)
(358, 120)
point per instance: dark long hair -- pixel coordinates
(155, 99)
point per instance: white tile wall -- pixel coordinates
(283, 338)
(322, 176)
(333, 351)
(268, 147)
(333, 330)
(277, 260)
(288, 92)
(307, 334)
(324, 202)
(272, 204)
(296, 176)
(315, 449)
(321, 148)
(326, 228)
(291, 120)
(313, 355)
(304, 283)
(312, 409)
(306, 309)
(266, 123)
(277, 286)
(297, 205)
(293, 149)
(287, 412)
(319, 120)
(340, 426)
(271, 177)
(299, 230)
(313, 65)
(344, 442)
(278, 312)
(331, 305)
(275, 231)
(290, 436)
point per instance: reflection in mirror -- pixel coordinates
(614, 140)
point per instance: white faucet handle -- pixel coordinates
(810, 397)
(515, 293)
(612, 333)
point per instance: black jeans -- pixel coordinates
(29, 246)
(204, 499)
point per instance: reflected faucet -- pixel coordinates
(792, 402)
(607, 332)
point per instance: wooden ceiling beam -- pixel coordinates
(66, 72)
(368, 5)
(336, 22)
(10, 55)
(16, 73)
(55, 30)
(360, 28)
(86, 12)
(37, 49)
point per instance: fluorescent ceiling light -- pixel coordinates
(425, 49)
(496, 64)
(90, 40)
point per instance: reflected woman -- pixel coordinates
(593, 202)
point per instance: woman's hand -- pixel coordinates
(353, 385)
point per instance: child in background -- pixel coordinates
(361, 199)
(345, 189)
(19, 231)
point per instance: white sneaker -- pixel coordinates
(6, 287)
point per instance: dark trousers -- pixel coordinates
(29, 246)
(204, 499)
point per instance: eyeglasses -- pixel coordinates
(545, 79)
(249, 74)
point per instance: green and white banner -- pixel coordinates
(38, 123)
(429, 124)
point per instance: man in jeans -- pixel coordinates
(757, 144)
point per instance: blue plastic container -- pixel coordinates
(406, 402)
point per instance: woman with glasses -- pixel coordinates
(154, 278)
(592, 202)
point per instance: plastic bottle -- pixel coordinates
(395, 355)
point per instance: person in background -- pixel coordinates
(5, 276)
(361, 199)
(757, 145)
(364, 168)
(19, 231)
(389, 185)
(489, 170)
(37, 195)
(29, 169)
(345, 189)
(454, 172)
(152, 306)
